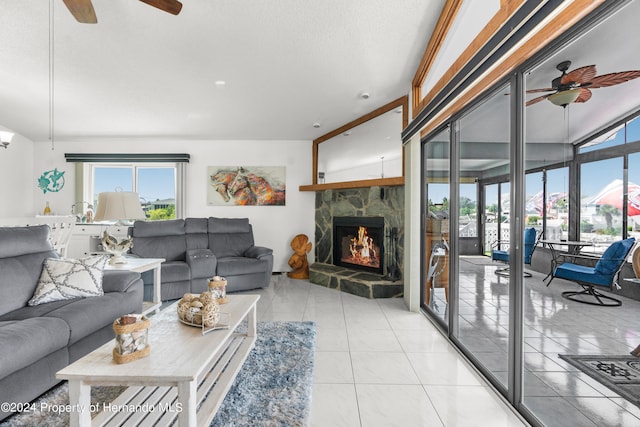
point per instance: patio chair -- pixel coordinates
(530, 242)
(604, 273)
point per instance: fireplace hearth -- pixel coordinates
(358, 243)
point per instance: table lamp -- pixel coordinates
(119, 206)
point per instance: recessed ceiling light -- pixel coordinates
(347, 133)
(220, 83)
(316, 125)
(365, 95)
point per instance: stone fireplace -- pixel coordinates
(358, 243)
(380, 210)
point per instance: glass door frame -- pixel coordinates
(424, 213)
(517, 179)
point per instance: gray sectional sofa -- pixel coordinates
(196, 249)
(38, 341)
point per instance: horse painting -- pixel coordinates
(241, 186)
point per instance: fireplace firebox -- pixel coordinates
(358, 243)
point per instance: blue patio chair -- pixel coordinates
(530, 243)
(604, 273)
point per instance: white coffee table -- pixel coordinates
(184, 369)
(140, 265)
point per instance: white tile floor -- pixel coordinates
(378, 364)
(554, 391)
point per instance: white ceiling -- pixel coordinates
(143, 72)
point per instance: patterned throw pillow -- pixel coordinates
(64, 279)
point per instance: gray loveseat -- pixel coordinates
(38, 341)
(196, 249)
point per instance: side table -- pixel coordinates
(140, 265)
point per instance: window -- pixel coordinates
(557, 203)
(609, 139)
(468, 210)
(633, 196)
(156, 183)
(601, 189)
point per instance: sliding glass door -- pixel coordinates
(435, 287)
(483, 153)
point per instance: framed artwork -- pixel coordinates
(246, 185)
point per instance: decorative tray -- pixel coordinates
(223, 323)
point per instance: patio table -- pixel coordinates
(573, 248)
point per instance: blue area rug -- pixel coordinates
(273, 388)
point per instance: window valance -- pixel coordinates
(128, 158)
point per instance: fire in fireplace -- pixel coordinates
(358, 242)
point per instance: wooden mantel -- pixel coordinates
(380, 182)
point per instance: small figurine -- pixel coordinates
(298, 261)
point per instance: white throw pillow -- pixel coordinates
(64, 279)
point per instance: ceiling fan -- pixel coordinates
(575, 85)
(83, 11)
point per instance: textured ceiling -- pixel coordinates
(142, 72)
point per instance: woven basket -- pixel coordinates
(140, 325)
(126, 358)
(132, 340)
(219, 288)
(207, 312)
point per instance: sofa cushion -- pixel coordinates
(19, 279)
(171, 248)
(18, 241)
(175, 271)
(614, 256)
(581, 273)
(28, 312)
(27, 341)
(196, 233)
(19, 268)
(196, 225)
(172, 227)
(64, 279)
(88, 315)
(230, 237)
(232, 266)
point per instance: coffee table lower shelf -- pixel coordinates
(159, 405)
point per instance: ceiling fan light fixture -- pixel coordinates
(565, 97)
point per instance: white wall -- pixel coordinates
(412, 227)
(273, 226)
(17, 178)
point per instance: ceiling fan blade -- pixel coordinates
(536, 100)
(170, 6)
(614, 78)
(82, 10)
(546, 89)
(579, 75)
(585, 95)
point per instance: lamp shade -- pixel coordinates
(565, 97)
(6, 136)
(119, 205)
